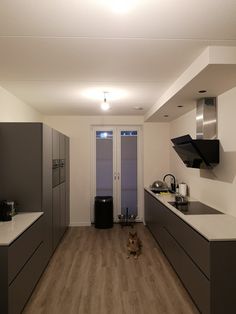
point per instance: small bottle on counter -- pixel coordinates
(177, 188)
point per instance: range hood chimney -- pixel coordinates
(204, 151)
(206, 119)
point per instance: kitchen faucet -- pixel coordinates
(173, 185)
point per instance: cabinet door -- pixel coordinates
(56, 215)
(55, 144)
(47, 189)
(67, 162)
(62, 147)
(21, 165)
(62, 209)
(62, 156)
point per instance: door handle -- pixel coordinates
(118, 176)
(114, 175)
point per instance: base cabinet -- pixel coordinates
(206, 268)
(25, 261)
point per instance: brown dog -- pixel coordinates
(134, 245)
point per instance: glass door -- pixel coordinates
(116, 169)
(104, 163)
(128, 172)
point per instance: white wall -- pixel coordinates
(215, 187)
(14, 110)
(78, 128)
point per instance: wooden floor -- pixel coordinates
(90, 273)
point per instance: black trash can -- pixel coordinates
(103, 208)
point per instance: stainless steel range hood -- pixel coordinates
(204, 151)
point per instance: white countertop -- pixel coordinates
(213, 227)
(10, 230)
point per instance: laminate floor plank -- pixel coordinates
(90, 273)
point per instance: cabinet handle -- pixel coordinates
(118, 176)
(114, 175)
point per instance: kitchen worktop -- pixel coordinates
(10, 230)
(212, 227)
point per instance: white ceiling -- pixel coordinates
(53, 51)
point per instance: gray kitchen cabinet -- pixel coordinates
(22, 263)
(56, 216)
(206, 268)
(56, 144)
(60, 201)
(63, 222)
(62, 146)
(67, 176)
(28, 152)
(26, 171)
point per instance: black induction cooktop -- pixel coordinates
(195, 208)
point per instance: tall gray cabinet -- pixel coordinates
(34, 172)
(25, 171)
(60, 189)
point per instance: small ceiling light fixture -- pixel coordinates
(180, 106)
(105, 105)
(166, 115)
(138, 108)
(202, 91)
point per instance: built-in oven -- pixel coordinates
(55, 172)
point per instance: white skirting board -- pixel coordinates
(80, 224)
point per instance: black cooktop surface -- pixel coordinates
(195, 208)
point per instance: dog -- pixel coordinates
(134, 245)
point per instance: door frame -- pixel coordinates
(116, 165)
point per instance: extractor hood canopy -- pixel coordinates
(204, 151)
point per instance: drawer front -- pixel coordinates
(193, 279)
(196, 246)
(23, 285)
(23, 248)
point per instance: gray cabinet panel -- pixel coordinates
(21, 164)
(55, 144)
(175, 238)
(62, 146)
(193, 279)
(67, 143)
(56, 216)
(223, 277)
(192, 242)
(4, 279)
(47, 190)
(23, 248)
(63, 225)
(22, 287)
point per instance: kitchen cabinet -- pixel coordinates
(22, 263)
(28, 174)
(60, 199)
(26, 171)
(205, 267)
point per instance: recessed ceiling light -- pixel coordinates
(180, 106)
(202, 91)
(138, 108)
(166, 115)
